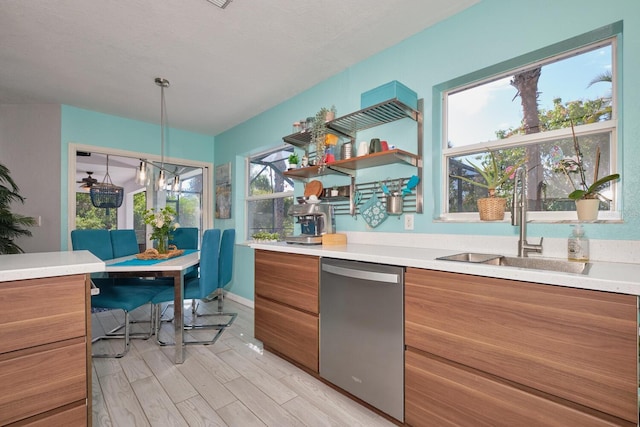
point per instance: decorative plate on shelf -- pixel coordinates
(313, 188)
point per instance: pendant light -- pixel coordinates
(106, 195)
(163, 83)
(142, 173)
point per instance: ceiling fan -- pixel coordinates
(88, 181)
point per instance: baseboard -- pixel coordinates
(240, 300)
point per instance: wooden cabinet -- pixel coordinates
(45, 352)
(484, 351)
(286, 305)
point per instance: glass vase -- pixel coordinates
(162, 244)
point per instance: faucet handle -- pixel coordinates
(532, 248)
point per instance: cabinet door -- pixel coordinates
(41, 311)
(35, 382)
(288, 331)
(438, 393)
(288, 278)
(577, 344)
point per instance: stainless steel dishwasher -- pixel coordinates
(361, 331)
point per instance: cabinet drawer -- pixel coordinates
(288, 331)
(577, 344)
(440, 394)
(41, 311)
(288, 278)
(34, 383)
(73, 416)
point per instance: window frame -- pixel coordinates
(558, 52)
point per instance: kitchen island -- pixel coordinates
(45, 349)
(495, 345)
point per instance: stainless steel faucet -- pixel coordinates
(519, 214)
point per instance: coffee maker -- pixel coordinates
(315, 219)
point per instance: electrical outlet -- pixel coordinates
(408, 222)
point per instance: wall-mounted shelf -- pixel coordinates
(349, 166)
(348, 126)
(351, 124)
(376, 115)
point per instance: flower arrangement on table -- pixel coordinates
(575, 165)
(492, 207)
(162, 224)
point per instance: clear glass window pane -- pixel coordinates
(553, 182)
(540, 98)
(270, 215)
(266, 173)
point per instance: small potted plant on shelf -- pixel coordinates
(491, 208)
(587, 197)
(319, 135)
(294, 160)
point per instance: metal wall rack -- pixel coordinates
(348, 126)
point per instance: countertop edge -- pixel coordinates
(621, 278)
(15, 267)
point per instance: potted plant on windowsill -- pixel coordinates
(587, 197)
(491, 208)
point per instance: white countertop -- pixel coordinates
(48, 264)
(602, 276)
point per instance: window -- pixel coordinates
(88, 216)
(527, 113)
(269, 194)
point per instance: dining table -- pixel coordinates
(174, 267)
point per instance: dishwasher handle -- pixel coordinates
(362, 274)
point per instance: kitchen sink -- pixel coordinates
(531, 263)
(471, 257)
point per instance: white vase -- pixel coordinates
(587, 209)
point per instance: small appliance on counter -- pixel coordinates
(315, 219)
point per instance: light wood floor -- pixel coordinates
(233, 382)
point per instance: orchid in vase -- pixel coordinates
(575, 165)
(162, 226)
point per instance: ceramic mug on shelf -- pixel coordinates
(363, 149)
(375, 146)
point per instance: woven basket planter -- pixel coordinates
(492, 208)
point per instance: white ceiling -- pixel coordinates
(225, 66)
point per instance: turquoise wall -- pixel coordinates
(488, 33)
(91, 128)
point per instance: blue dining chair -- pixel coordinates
(127, 298)
(99, 243)
(124, 242)
(225, 274)
(96, 241)
(200, 287)
(185, 238)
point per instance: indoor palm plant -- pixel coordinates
(493, 176)
(12, 225)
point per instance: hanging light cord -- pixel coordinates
(163, 83)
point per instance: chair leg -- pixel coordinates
(220, 327)
(220, 297)
(109, 337)
(135, 335)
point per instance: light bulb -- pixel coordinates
(176, 184)
(161, 180)
(141, 174)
